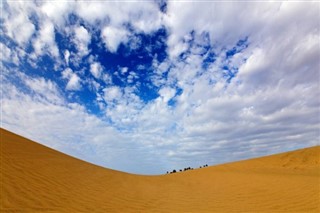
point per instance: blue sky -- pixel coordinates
(151, 86)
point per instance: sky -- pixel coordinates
(150, 86)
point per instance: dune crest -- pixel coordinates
(35, 178)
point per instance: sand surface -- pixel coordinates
(35, 178)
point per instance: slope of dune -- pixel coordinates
(35, 178)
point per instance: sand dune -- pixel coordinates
(35, 178)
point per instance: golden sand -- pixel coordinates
(35, 178)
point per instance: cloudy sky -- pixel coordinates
(151, 86)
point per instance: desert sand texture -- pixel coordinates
(35, 178)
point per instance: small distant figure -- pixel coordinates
(186, 169)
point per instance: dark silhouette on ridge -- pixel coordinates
(186, 169)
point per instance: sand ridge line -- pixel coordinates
(37, 178)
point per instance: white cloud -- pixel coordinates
(45, 89)
(67, 73)
(113, 37)
(45, 40)
(17, 21)
(74, 81)
(112, 93)
(255, 64)
(144, 16)
(268, 104)
(57, 11)
(6, 52)
(124, 70)
(65, 126)
(183, 18)
(71, 129)
(167, 93)
(66, 56)
(82, 39)
(132, 76)
(9, 55)
(106, 78)
(96, 69)
(92, 11)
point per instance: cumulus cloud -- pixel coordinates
(96, 69)
(71, 128)
(132, 76)
(17, 21)
(74, 81)
(93, 12)
(144, 16)
(57, 11)
(82, 39)
(124, 70)
(6, 52)
(44, 89)
(67, 56)
(8, 55)
(113, 37)
(112, 93)
(236, 81)
(167, 93)
(45, 40)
